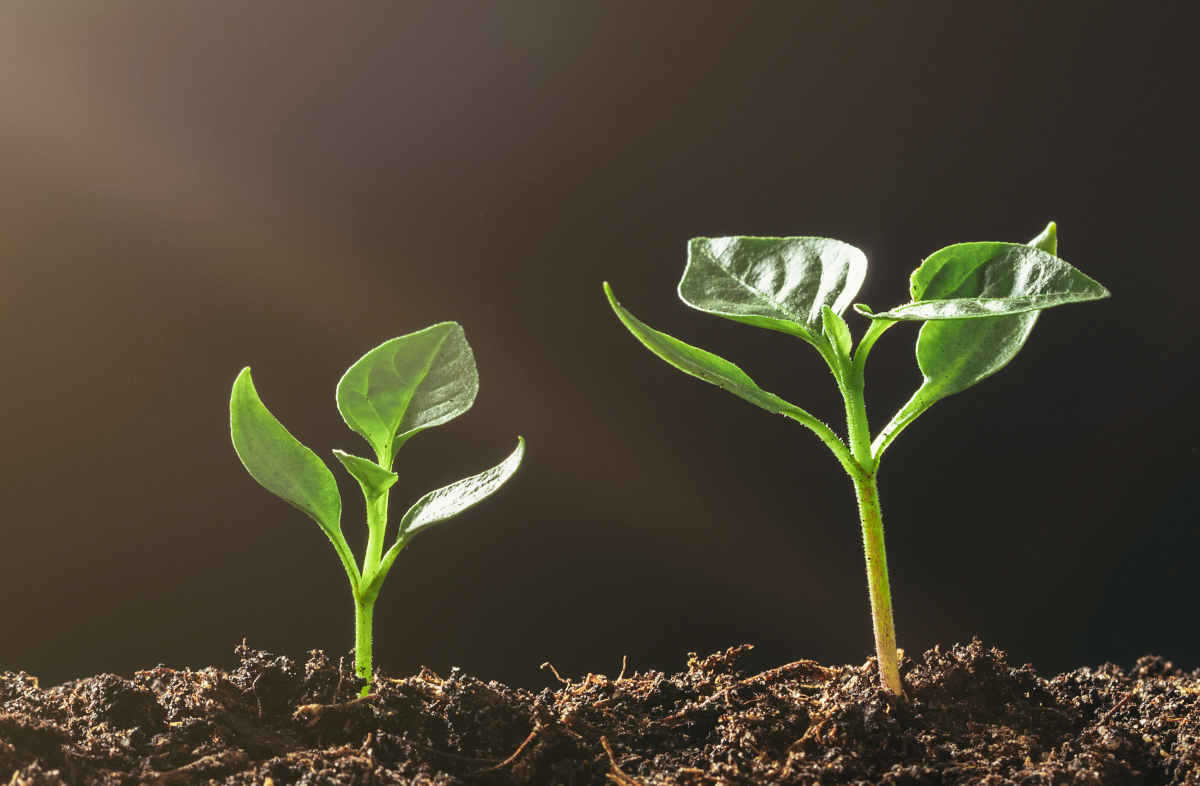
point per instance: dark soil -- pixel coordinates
(969, 718)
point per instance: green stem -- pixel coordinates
(386, 564)
(874, 331)
(368, 589)
(826, 435)
(377, 511)
(919, 402)
(845, 456)
(858, 431)
(364, 612)
(871, 516)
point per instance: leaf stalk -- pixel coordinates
(911, 410)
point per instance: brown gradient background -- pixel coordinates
(187, 188)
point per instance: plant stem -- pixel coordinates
(866, 490)
(368, 591)
(920, 401)
(869, 513)
(364, 612)
(377, 512)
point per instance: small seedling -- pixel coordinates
(394, 392)
(978, 301)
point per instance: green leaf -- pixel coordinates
(698, 362)
(445, 503)
(955, 354)
(374, 479)
(408, 384)
(279, 462)
(837, 331)
(981, 280)
(778, 283)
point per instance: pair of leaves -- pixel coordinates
(979, 302)
(396, 390)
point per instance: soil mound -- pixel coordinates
(969, 717)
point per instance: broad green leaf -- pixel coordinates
(955, 354)
(408, 384)
(837, 331)
(778, 283)
(698, 362)
(374, 479)
(445, 503)
(982, 280)
(279, 462)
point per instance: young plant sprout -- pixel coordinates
(978, 301)
(393, 392)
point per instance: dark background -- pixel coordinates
(187, 188)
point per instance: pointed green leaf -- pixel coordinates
(980, 280)
(837, 331)
(778, 283)
(445, 503)
(955, 354)
(279, 462)
(374, 479)
(698, 362)
(408, 384)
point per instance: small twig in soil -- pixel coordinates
(312, 713)
(557, 676)
(205, 767)
(1111, 710)
(254, 690)
(624, 663)
(769, 675)
(513, 756)
(617, 776)
(456, 756)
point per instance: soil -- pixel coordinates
(969, 717)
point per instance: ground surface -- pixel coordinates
(969, 718)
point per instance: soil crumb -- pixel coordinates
(969, 718)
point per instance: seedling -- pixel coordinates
(978, 301)
(393, 393)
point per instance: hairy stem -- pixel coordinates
(858, 431)
(870, 515)
(826, 435)
(869, 512)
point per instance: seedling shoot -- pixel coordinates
(978, 303)
(393, 393)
